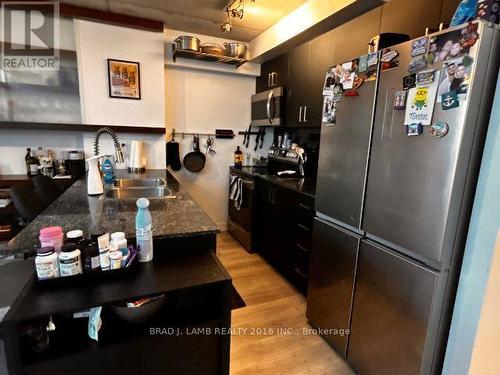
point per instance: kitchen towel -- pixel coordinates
(236, 191)
(173, 158)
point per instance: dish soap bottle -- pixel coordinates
(238, 158)
(143, 231)
(107, 172)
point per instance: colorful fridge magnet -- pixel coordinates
(388, 55)
(419, 46)
(359, 79)
(372, 59)
(413, 129)
(338, 71)
(420, 103)
(455, 76)
(371, 76)
(409, 81)
(449, 100)
(351, 92)
(417, 63)
(400, 100)
(469, 35)
(337, 93)
(425, 78)
(363, 63)
(439, 129)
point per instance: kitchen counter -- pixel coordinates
(173, 217)
(305, 186)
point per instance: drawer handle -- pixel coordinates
(302, 205)
(303, 227)
(300, 273)
(302, 248)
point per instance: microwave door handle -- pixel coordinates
(268, 107)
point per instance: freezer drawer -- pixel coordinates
(331, 281)
(395, 315)
(343, 158)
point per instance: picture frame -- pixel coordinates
(124, 79)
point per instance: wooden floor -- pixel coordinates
(271, 302)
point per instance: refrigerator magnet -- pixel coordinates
(417, 63)
(372, 59)
(409, 81)
(400, 100)
(421, 102)
(449, 100)
(439, 129)
(363, 63)
(469, 35)
(419, 46)
(388, 55)
(414, 129)
(425, 78)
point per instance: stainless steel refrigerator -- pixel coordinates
(393, 203)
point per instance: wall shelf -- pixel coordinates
(206, 57)
(80, 127)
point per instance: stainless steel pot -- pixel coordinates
(187, 42)
(234, 49)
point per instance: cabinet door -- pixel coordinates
(298, 85)
(265, 223)
(331, 281)
(263, 82)
(321, 57)
(410, 17)
(280, 71)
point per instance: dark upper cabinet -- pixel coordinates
(273, 73)
(410, 17)
(298, 85)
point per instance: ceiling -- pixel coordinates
(201, 16)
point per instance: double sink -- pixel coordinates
(125, 188)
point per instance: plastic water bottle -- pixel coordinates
(143, 231)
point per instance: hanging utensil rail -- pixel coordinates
(184, 134)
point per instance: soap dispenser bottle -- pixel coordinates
(94, 180)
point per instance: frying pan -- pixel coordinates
(195, 160)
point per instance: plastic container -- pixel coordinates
(115, 259)
(91, 258)
(51, 236)
(76, 237)
(118, 239)
(70, 261)
(143, 231)
(104, 258)
(46, 263)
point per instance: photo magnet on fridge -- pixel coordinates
(455, 76)
(419, 46)
(329, 83)
(400, 100)
(329, 111)
(420, 103)
(417, 63)
(439, 129)
(414, 129)
(372, 59)
(363, 63)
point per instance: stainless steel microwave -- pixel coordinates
(268, 107)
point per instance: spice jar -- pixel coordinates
(70, 260)
(46, 264)
(76, 237)
(51, 236)
(91, 258)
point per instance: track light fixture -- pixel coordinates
(234, 9)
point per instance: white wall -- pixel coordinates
(95, 44)
(201, 101)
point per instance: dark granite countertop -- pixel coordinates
(305, 186)
(74, 209)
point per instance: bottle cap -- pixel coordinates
(46, 250)
(117, 236)
(74, 233)
(142, 203)
(48, 232)
(68, 247)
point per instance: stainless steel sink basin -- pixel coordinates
(139, 183)
(125, 188)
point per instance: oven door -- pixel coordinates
(243, 216)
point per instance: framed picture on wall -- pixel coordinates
(124, 79)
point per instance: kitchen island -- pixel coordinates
(188, 331)
(175, 218)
